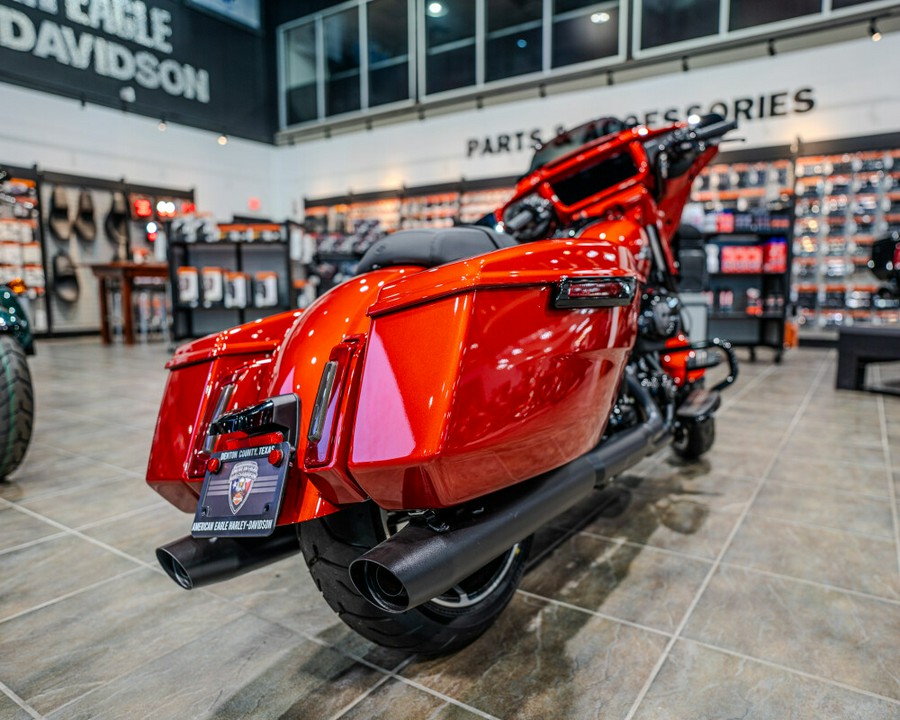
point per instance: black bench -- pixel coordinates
(860, 345)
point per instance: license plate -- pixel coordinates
(243, 497)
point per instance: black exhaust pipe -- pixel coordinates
(421, 562)
(194, 562)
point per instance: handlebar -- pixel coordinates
(685, 137)
(715, 130)
(520, 219)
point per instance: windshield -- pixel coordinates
(572, 139)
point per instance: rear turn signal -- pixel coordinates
(595, 292)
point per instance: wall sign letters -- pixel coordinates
(743, 109)
(76, 33)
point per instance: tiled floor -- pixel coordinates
(761, 582)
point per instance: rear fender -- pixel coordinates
(200, 371)
(243, 366)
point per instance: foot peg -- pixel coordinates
(698, 406)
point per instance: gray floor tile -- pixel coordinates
(696, 682)
(682, 525)
(396, 700)
(700, 482)
(836, 451)
(543, 661)
(829, 633)
(832, 557)
(639, 584)
(48, 570)
(851, 477)
(10, 710)
(248, 668)
(18, 528)
(139, 534)
(747, 461)
(284, 593)
(812, 436)
(56, 654)
(80, 506)
(47, 469)
(828, 508)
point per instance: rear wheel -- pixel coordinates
(442, 625)
(694, 439)
(16, 405)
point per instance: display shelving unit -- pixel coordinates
(749, 285)
(845, 200)
(443, 205)
(21, 243)
(237, 247)
(743, 207)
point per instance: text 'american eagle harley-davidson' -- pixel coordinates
(412, 428)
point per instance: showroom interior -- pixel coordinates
(171, 169)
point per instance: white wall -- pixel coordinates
(854, 84)
(60, 135)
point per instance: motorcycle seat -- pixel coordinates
(429, 247)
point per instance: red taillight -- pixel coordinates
(275, 457)
(213, 465)
(320, 437)
(595, 292)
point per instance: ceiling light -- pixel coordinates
(874, 32)
(162, 125)
(223, 139)
(436, 9)
(600, 17)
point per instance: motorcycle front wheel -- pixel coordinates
(16, 405)
(441, 625)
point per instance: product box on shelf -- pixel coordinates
(213, 286)
(237, 289)
(31, 253)
(775, 256)
(188, 286)
(33, 275)
(741, 259)
(11, 253)
(266, 289)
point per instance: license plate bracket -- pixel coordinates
(243, 496)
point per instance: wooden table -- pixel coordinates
(123, 274)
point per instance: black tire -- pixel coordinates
(693, 440)
(16, 405)
(331, 543)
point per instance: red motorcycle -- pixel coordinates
(411, 429)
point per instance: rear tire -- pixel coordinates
(440, 626)
(693, 440)
(16, 405)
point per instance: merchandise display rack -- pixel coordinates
(443, 205)
(234, 252)
(744, 201)
(845, 200)
(22, 242)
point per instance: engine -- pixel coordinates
(660, 315)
